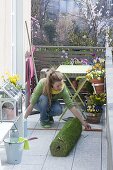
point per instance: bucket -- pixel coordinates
(14, 150)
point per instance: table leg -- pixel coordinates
(76, 91)
(76, 94)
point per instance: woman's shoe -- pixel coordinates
(51, 120)
(45, 124)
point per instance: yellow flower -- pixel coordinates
(7, 73)
(97, 72)
(88, 70)
(17, 77)
(2, 77)
(11, 78)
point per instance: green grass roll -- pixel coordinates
(66, 138)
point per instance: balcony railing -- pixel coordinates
(109, 108)
(48, 56)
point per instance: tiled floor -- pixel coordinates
(90, 152)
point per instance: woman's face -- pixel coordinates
(58, 85)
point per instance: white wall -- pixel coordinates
(5, 36)
(23, 13)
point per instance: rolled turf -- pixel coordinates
(66, 138)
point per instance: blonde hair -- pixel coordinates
(52, 77)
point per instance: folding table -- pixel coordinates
(74, 70)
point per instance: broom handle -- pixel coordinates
(31, 51)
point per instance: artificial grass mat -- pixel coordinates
(66, 138)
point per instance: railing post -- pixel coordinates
(109, 57)
(109, 109)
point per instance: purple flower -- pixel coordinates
(84, 61)
(97, 59)
(93, 54)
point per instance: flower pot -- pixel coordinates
(93, 119)
(98, 85)
(74, 83)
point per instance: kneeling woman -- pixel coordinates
(46, 95)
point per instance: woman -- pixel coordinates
(46, 95)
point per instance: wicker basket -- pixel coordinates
(93, 119)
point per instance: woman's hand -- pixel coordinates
(78, 115)
(87, 126)
(25, 116)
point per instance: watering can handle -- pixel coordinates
(32, 138)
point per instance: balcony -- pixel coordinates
(94, 149)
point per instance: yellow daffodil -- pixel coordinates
(12, 79)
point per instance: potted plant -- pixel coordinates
(96, 77)
(94, 107)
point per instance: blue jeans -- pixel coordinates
(45, 110)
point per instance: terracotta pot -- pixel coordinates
(75, 83)
(95, 81)
(98, 85)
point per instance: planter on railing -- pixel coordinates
(93, 119)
